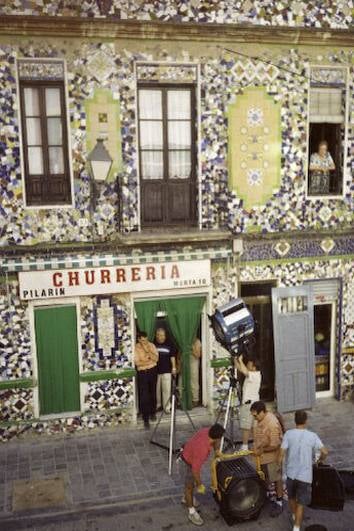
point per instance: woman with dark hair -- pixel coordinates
(321, 164)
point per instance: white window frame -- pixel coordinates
(19, 118)
(345, 142)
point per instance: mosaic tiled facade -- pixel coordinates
(222, 79)
(314, 13)
(107, 70)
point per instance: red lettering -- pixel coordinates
(174, 272)
(135, 274)
(57, 280)
(89, 277)
(105, 276)
(73, 278)
(163, 272)
(120, 272)
(150, 273)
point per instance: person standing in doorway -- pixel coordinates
(249, 367)
(267, 438)
(165, 366)
(300, 446)
(195, 368)
(146, 358)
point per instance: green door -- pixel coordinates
(57, 354)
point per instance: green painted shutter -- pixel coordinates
(57, 354)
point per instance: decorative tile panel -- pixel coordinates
(16, 405)
(254, 146)
(39, 70)
(109, 395)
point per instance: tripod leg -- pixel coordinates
(222, 406)
(171, 448)
(178, 403)
(227, 415)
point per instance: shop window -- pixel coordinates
(44, 133)
(327, 124)
(167, 154)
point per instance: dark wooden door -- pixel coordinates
(167, 155)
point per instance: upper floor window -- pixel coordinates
(44, 133)
(167, 154)
(327, 129)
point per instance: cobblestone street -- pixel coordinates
(118, 480)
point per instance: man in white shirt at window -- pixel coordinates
(250, 394)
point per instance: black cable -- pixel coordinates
(256, 58)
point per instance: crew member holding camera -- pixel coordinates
(194, 454)
(250, 393)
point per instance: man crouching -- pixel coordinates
(195, 453)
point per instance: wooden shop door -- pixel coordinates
(57, 357)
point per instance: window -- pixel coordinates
(167, 154)
(44, 134)
(327, 127)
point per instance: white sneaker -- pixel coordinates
(244, 448)
(196, 503)
(195, 518)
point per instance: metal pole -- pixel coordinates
(172, 432)
(226, 420)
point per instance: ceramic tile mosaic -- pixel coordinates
(16, 405)
(67, 425)
(15, 344)
(109, 395)
(223, 79)
(310, 13)
(102, 348)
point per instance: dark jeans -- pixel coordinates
(147, 392)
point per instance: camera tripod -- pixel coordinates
(232, 399)
(174, 401)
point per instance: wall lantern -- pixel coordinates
(100, 163)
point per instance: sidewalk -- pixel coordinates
(118, 471)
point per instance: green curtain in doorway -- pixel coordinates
(146, 314)
(183, 317)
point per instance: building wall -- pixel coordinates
(106, 348)
(313, 13)
(224, 81)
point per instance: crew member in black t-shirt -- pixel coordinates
(165, 366)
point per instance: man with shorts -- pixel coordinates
(267, 438)
(249, 367)
(300, 446)
(194, 454)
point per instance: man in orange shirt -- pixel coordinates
(146, 358)
(267, 438)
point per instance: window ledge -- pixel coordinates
(175, 236)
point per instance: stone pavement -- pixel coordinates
(116, 479)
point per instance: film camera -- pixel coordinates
(233, 326)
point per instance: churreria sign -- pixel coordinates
(121, 279)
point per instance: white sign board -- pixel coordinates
(114, 279)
